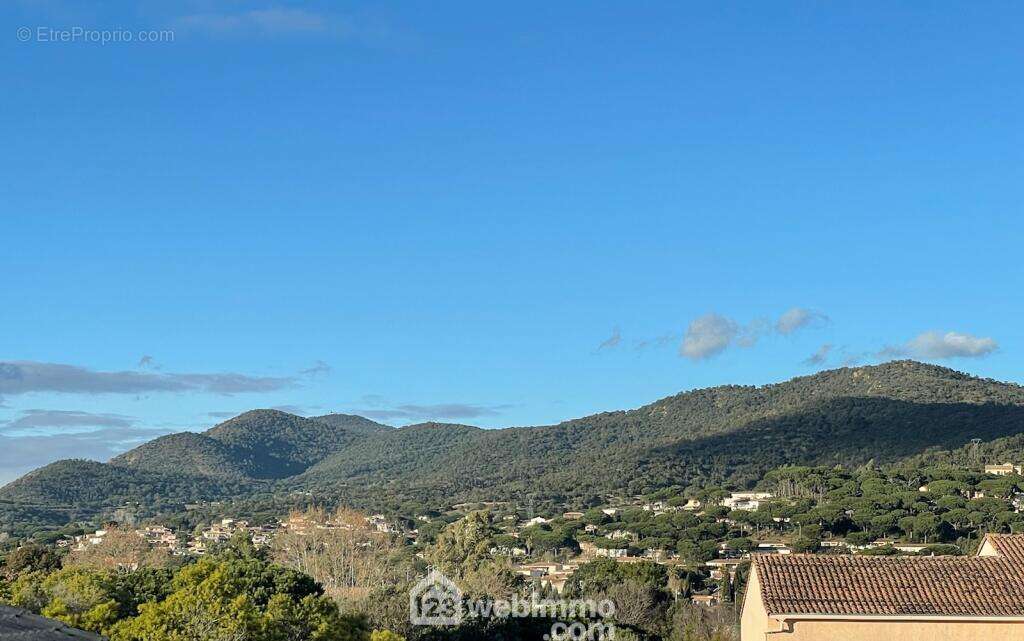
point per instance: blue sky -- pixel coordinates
(493, 215)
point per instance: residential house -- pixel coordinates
(749, 501)
(691, 505)
(549, 574)
(611, 553)
(772, 547)
(508, 550)
(905, 598)
(720, 568)
(1004, 469)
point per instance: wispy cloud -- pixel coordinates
(432, 412)
(275, 21)
(798, 318)
(319, 368)
(657, 342)
(39, 418)
(24, 377)
(612, 341)
(819, 356)
(752, 332)
(298, 410)
(21, 454)
(374, 400)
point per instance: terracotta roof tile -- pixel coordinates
(1009, 546)
(939, 586)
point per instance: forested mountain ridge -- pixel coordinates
(259, 444)
(414, 449)
(82, 487)
(728, 434)
(352, 423)
(721, 434)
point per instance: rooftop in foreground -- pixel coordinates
(20, 625)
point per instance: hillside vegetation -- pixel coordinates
(260, 444)
(728, 434)
(724, 434)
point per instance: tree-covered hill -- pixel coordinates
(723, 434)
(277, 444)
(412, 451)
(82, 485)
(728, 434)
(259, 444)
(187, 453)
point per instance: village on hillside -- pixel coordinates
(712, 536)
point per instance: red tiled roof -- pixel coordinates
(1008, 546)
(892, 586)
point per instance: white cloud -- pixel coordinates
(708, 336)
(951, 345)
(798, 318)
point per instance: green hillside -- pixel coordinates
(82, 486)
(723, 434)
(187, 453)
(259, 444)
(730, 434)
(276, 444)
(406, 452)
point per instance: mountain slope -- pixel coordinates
(82, 485)
(353, 424)
(276, 444)
(259, 444)
(413, 450)
(187, 453)
(731, 433)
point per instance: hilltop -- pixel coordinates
(259, 444)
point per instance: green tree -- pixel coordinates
(463, 545)
(240, 599)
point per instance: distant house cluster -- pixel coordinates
(221, 531)
(550, 574)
